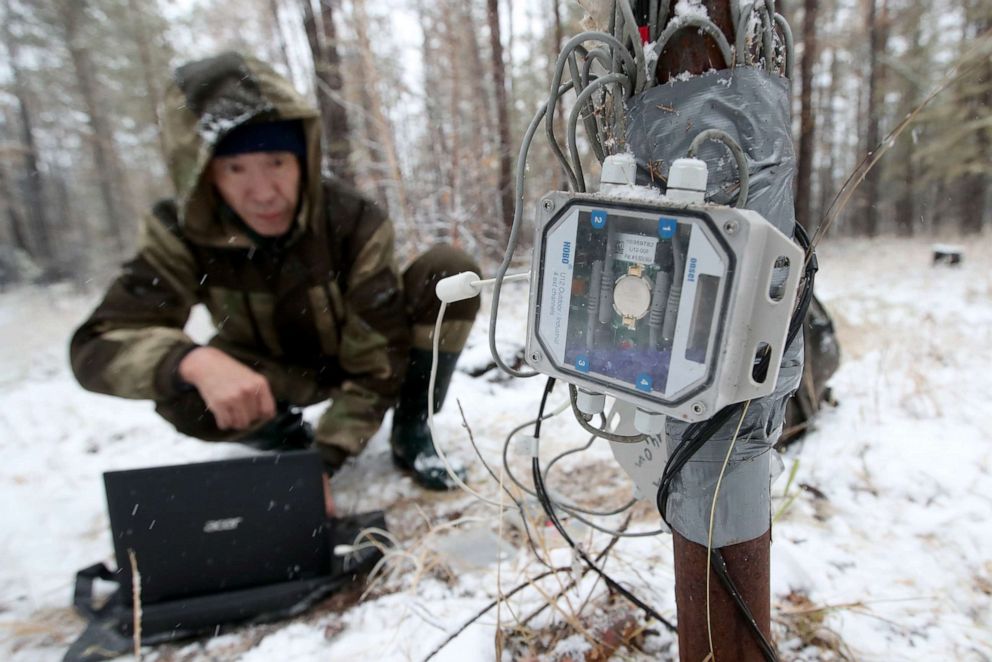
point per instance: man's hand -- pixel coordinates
(238, 397)
(329, 508)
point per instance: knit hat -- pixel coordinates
(278, 136)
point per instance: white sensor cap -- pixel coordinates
(590, 403)
(687, 181)
(647, 422)
(619, 169)
(458, 287)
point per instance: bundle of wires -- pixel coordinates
(549, 508)
(607, 68)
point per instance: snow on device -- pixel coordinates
(674, 305)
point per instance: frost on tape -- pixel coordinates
(650, 59)
(634, 193)
(691, 8)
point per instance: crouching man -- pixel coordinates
(298, 273)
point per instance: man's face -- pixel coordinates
(261, 187)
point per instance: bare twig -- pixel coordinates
(482, 612)
(136, 599)
(503, 489)
(529, 583)
(568, 587)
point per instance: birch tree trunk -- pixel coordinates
(505, 182)
(278, 35)
(35, 235)
(149, 72)
(978, 100)
(482, 196)
(454, 117)
(108, 172)
(435, 180)
(876, 41)
(807, 122)
(379, 129)
(827, 139)
(330, 88)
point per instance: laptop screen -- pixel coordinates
(210, 527)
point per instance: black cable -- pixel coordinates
(542, 496)
(812, 266)
(695, 436)
(723, 574)
(548, 387)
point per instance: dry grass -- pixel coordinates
(47, 628)
(607, 626)
(804, 621)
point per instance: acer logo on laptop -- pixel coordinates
(217, 525)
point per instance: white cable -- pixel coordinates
(467, 284)
(430, 414)
(521, 276)
(455, 288)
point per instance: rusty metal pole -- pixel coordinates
(733, 641)
(747, 562)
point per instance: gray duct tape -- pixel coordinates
(753, 107)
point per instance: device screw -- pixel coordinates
(730, 227)
(549, 205)
(698, 408)
(535, 356)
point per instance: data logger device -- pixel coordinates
(679, 308)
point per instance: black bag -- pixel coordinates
(110, 630)
(822, 358)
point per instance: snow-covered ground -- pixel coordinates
(882, 551)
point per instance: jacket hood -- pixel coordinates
(204, 102)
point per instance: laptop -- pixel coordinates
(227, 541)
(210, 527)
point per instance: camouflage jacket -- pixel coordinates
(320, 313)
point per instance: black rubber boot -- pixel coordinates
(286, 432)
(413, 448)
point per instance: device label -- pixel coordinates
(701, 260)
(643, 461)
(635, 248)
(217, 525)
(667, 227)
(556, 291)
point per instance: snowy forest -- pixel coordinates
(881, 485)
(425, 104)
